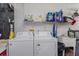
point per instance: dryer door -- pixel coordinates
(45, 48)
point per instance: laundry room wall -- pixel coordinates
(22, 10)
(18, 16)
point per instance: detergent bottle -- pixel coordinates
(59, 16)
(11, 35)
(49, 17)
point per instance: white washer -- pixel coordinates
(22, 45)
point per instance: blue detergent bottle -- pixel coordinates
(49, 17)
(59, 16)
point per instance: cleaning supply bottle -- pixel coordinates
(61, 16)
(57, 16)
(49, 17)
(11, 34)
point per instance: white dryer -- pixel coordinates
(45, 44)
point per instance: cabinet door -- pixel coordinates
(21, 48)
(45, 48)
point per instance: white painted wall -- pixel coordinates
(43, 8)
(19, 16)
(22, 10)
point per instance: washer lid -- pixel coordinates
(23, 36)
